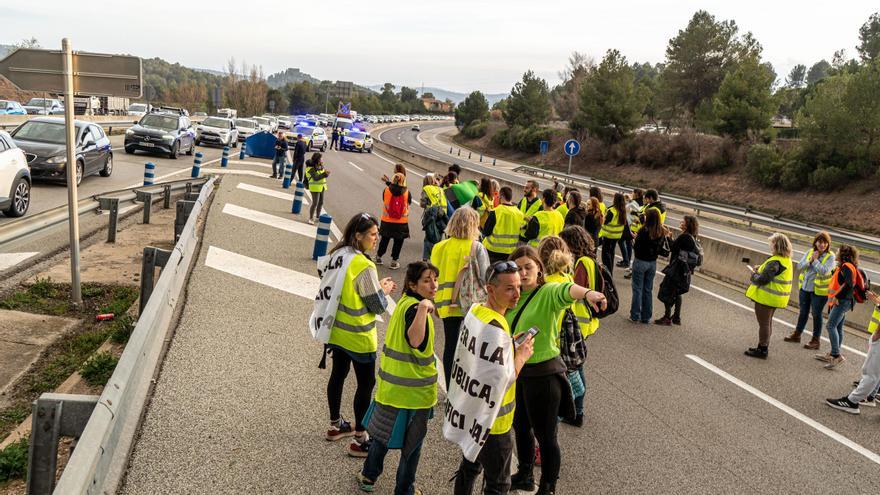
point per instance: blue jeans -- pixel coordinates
(406, 469)
(642, 308)
(626, 248)
(809, 302)
(426, 250)
(579, 400)
(279, 160)
(835, 325)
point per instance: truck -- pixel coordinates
(100, 105)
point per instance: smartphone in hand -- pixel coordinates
(531, 332)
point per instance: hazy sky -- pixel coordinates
(458, 45)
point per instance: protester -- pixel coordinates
(395, 219)
(450, 179)
(545, 222)
(434, 219)
(770, 288)
(503, 288)
(562, 198)
(651, 242)
(399, 168)
(543, 394)
(353, 339)
(841, 301)
(595, 192)
(867, 389)
(299, 157)
(278, 161)
(577, 212)
(501, 230)
(686, 242)
(814, 269)
(450, 256)
(628, 237)
(612, 230)
(406, 389)
(485, 199)
(652, 201)
(495, 188)
(316, 175)
(594, 219)
(530, 203)
(334, 138)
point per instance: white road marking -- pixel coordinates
(277, 277)
(270, 192)
(413, 148)
(411, 171)
(256, 164)
(837, 437)
(334, 229)
(226, 171)
(355, 166)
(8, 260)
(377, 155)
(270, 220)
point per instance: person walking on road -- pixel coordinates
(450, 256)
(485, 198)
(406, 389)
(815, 268)
(434, 214)
(577, 212)
(543, 393)
(353, 337)
(278, 161)
(595, 192)
(334, 139)
(395, 219)
(612, 230)
(867, 389)
(770, 289)
(651, 241)
(670, 288)
(503, 288)
(501, 230)
(316, 176)
(545, 222)
(531, 202)
(594, 220)
(841, 300)
(299, 157)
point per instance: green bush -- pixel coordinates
(764, 165)
(98, 369)
(795, 174)
(828, 178)
(475, 129)
(13, 460)
(526, 139)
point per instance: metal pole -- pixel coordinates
(569, 164)
(67, 58)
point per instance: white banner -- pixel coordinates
(482, 372)
(331, 269)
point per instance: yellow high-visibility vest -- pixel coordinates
(777, 292)
(449, 256)
(613, 230)
(549, 223)
(505, 234)
(315, 185)
(530, 209)
(875, 321)
(435, 196)
(820, 284)
(588, 323)
(354, 327)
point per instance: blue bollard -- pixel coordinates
(149, 174)
(298, 196)
(481, 158)
(323, 237)
(225, 160)
(450, 150)
(459, 152)
(241, 153)
(493, 162)
(469, 155)
(288, 175)
(197, 165)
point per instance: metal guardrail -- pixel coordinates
(98, 463)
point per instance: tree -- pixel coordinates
(817, 72)
(744, 103)
(565, 96)
(408, 94)
(303, 98)
(611, 104)
(869, 38)
(28, 43)
(475, 107)
(281, 102)
(529, 102)
(797, 76)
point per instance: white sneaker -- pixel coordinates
(869, 401)
(394, 265)
(311, 222)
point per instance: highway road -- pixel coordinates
(240, 405)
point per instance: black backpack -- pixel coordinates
(572, 348)
(607, 288)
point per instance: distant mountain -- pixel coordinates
(442, 94)
(291, 75)
(5, 50)
(210, 71)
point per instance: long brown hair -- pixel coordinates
(652, 224)
(822, 236)
(691, 225)
(594, 210)
(620, 205)
(848, 254)
(529, 252)
(579, 241)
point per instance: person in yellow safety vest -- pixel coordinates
(406, 389)
(612, 230)
(634, 210)
(450, 256)
(841, 300)
(501, 230)
(815, 269)
(652, 200)
(530, 203)
(503, 288)
(434, 214)
(583, 251)
(595, 192)
(353, 338)
(316, 175)
(545, 222)
(484, 201)
(770, 289)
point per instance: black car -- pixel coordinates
(161, 133)
(43, 141)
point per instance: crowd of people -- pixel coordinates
(534, 269)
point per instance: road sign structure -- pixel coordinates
(545, 147)
(571, 148)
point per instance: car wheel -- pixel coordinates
(108, 167)
(175, 150)
(79, 172)
(21, 199)
(191, 150)
(197, 143)
(324, 146)
(370, 150)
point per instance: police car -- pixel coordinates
(357, 140)
(315, 136)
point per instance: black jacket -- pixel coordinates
(299, 152)
(280, 146)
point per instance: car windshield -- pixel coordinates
(250, 124)
(343, 124)
(356, 135)
(261, 120)
(44, 132)
(137, 107)
(157, 121)
(304, 130)
(39, 102)
(215, 122)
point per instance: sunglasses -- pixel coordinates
(500, 267)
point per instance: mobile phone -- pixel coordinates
(531, 332)
(746, 260)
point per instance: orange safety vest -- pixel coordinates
(386, 199)
(834, 286)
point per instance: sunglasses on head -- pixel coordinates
(500, 267)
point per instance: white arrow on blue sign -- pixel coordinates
(572, 147)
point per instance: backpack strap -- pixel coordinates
(456, 289)
(522, 308)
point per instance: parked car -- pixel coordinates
(284, 123)
(264, 123)
(44, 106)
(15, 178)
(200, 114)
(315, 136)
(246, 128)
(43, 141)
(139, 109)
(9, 107)
(357, 140)
(162, 133)
(217, 130)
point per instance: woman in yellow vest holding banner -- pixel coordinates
(770, 289)
(815, 269)
(407, 383)
(316, 175)
(353, 338)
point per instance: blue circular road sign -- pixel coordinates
(572, 147)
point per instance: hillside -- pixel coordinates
(442, 94)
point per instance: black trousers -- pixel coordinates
(334, 143)
(299, 172)
(677, 305)
(365, 373)
(451, 326)
(494, 460)
(608, 246)
(536, 415)
(395, 248)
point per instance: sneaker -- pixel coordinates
(676, 321)
(365, 484)
(825, 358)
(757, 352)
(813, 344)
(835, 361)
(577, 421)
(359, 448)
(336, 432)
(394, 265)
(622, 264)
(273, 176)
(869, 401)
(794, 337)
(379, 261)
(628, 274)
(665, 321)
(843, 404)
(311, 222)
(523, 481)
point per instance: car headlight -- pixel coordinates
(129, 132)
(168, 137)
(57, 159)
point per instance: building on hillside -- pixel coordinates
(434, 105)
(342, 90)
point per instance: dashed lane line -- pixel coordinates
(8, 260)
(837, 437)
(270, 220)
(355, 166)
